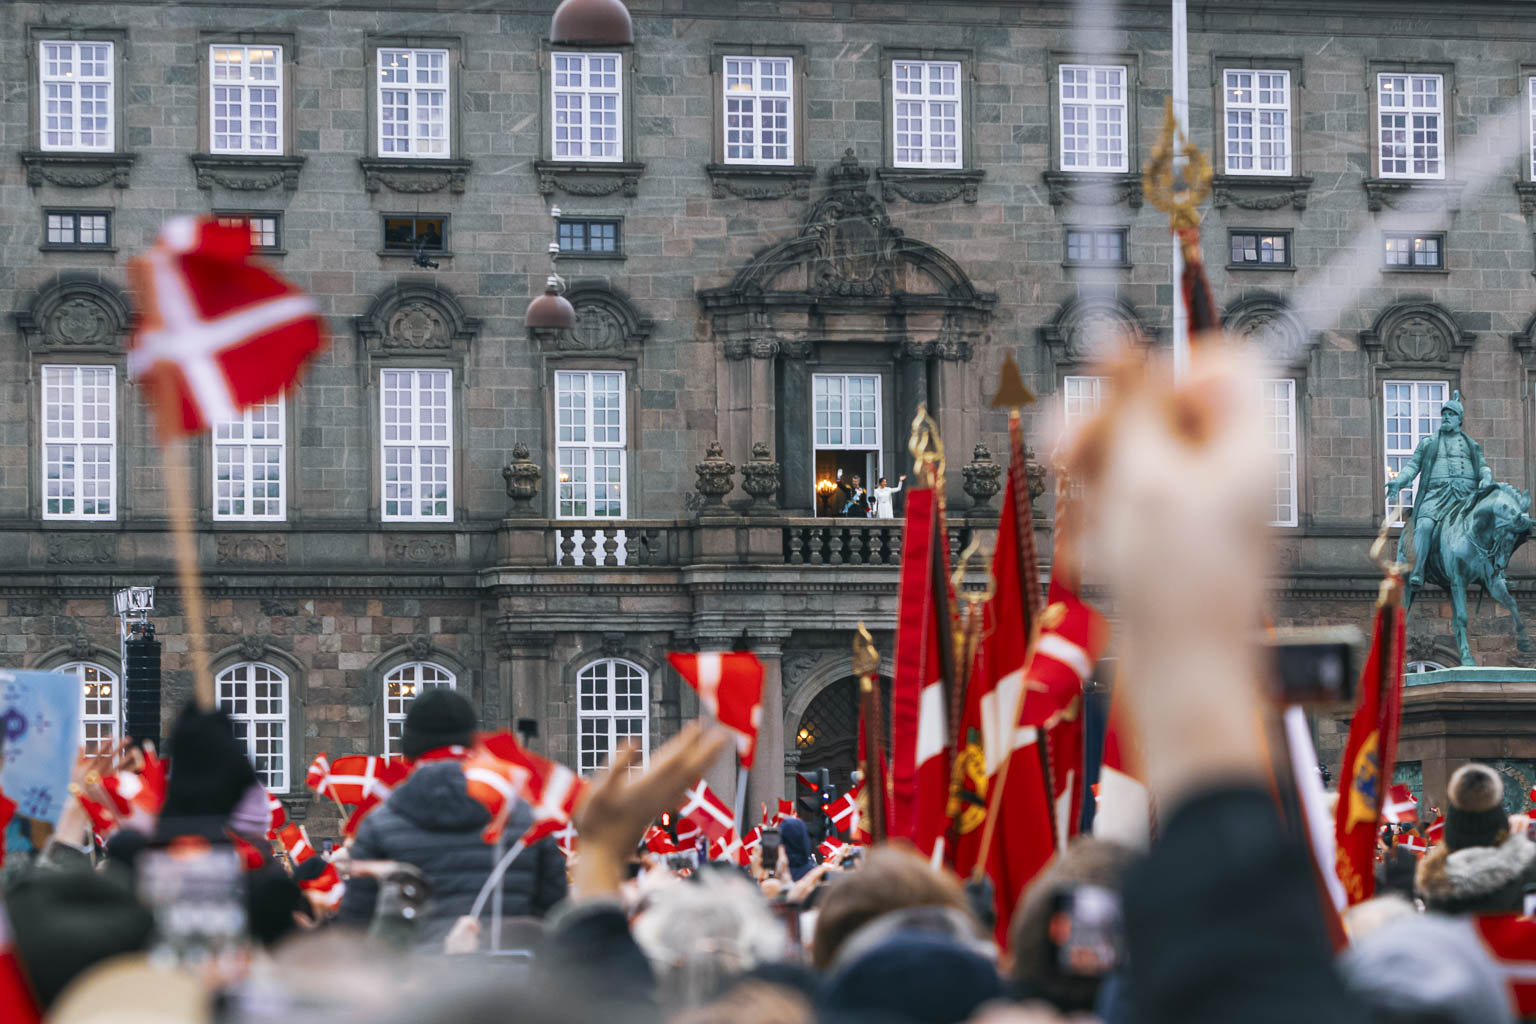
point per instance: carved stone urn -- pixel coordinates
(522, 476)
(981, 477)
(760, 478)
(1034, 473)
(715, 481)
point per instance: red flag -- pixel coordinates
(137, 796)
(296, 843)
(219, 332)
(706, 812)
(730, 849)
(277, 815)
(1370, 754)
(730, 685)
(319, 768)
(7, 812)
(1413, 842)
(553, 790)
(499, 785)
(923, 680)
(327, 887)
(844, 811)
(364, 778)
(1401, 806)
(566, 839)
(752, 840)
(1435, 830)
(658, 841)
(786, 810)
(806, 781)
(17, 1003)
(1511, 940)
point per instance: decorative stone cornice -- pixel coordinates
(1259, 191)
(1412, 195)
(414, 177)
(1092, 188)
(766, 182)
(77, 170)
(589, 179)
(247, 173)
(925, 186)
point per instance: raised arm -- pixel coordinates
(1409, 471)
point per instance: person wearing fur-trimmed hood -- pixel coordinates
(1479, 867)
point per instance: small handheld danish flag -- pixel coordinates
(219, 332)
(730, 685)
(1401, 806)
(706, 812)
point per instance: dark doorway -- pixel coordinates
(828, 737)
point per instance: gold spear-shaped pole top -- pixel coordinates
(1012, 392)
(924, 443)
(866, 659)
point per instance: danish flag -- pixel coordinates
(657, 841)
(328, 888)
(1413, 842)
(277, 815)
(567, 839)
(752, 840)
(730, 685)
(1435, 830)
(830, 848)
(844, 811)
(1401, 806)
(219, 333)
(137, 796)
(706, 811)
(729, 848)
(1510, 940)
(553, 790)
(360, 778)
(786, 810)
(17, 1004)
(319, 768)
(497, 784)
(296, 843)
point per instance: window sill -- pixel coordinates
(414, 175)
(77, 248)
(592, 178)
(1093, 188)
(1413, 195)
(1272, 268)
(615, 256)
(929, 185)
(761, 181)
(1084, 265)
(1260, 191)
(77, 170)
(1415, 270)
(411, 254)
(241, 172)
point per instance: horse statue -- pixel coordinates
(1474, 545)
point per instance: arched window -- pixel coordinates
(1415, 667)
(98, 705)
(403, 685)
(611, 709)
(256, 697)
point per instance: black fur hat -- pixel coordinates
(1476, 815)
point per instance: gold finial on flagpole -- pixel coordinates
(924, 444)
(1176, 191)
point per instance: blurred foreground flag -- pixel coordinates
(219, 332)
(40, 715)
(17, 1004)
(730, 685)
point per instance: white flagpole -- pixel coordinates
(741, 800)
(1181, 116)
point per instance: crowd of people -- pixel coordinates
(1222, 919)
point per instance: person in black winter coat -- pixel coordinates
(431, 822)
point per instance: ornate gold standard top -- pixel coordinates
(866, 659)
(924, 444)
(1178, 192)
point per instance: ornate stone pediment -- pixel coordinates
(416, 317)
(247, 173)
(606, 321)
(1269, 322)
(76, 314)
(1085, 328)
(594, 179)
(413, 177)
(1259, 191)
(1417, 332)
(1413, 195)
(78, 170)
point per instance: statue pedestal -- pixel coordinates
(1455, 715)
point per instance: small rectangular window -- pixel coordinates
(1104, 247)
(1411, 251)
(926, 94)
(1412, 413)
(589, 236)
(759, 110)
(587, 96)
(266, 228)
(76, 95)
(1410, 132)
(413, 103)
(406, 233)
(1093, 112)
(1257, 107)
(246, 97)
(77, 229)
(1264, 249)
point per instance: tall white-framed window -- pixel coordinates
(590, 432)
(1257, 107)
(79, 411)
(1278, 399)
(99, 704)
(1530, 94)
(1410, 125)
(416, 407)
(246, 99)
(846, 435)
(1412, 411)
(403, 685)
(255, 695)
(759, 110)
(249, 464)
(1081, 397)
(588, 103)
(926, 113)
(413, 103)
(1094, 111)
(76, 95)
(611, 709)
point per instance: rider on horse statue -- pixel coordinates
(1450, 468)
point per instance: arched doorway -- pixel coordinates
(827, 736)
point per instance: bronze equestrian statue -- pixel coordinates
(1465, 526)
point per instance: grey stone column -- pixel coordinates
(793, 440)
(765, 782)
(956, 406)
(524, 671)
(763, 404)
(911, 391)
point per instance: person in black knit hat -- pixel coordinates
(1479, 867)
(430, 821)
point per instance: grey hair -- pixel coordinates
(699, 934)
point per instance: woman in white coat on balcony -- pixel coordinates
(885, 507)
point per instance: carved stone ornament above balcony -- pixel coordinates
(413, 177)
(1413, 195)
(78, 170)
(761, 182)
(1259, 191)
(1093, 188)
(916, 185)
(242, 173)
(589, 179)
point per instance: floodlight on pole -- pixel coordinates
(591, 23)
(552, 311)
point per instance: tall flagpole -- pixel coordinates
(1181, 117)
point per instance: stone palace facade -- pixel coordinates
(783, 227)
